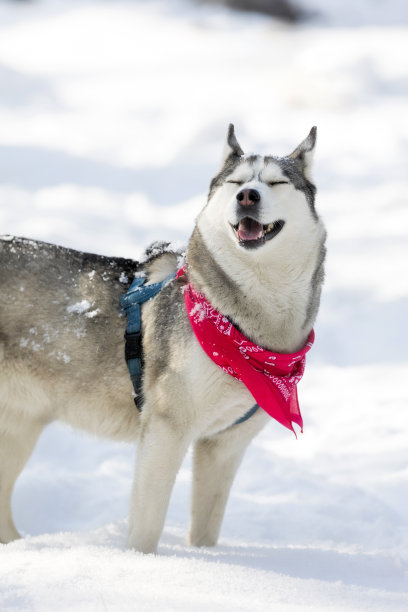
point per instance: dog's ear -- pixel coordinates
(303, 154)
(231, 146)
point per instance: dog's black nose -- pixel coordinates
(248, 197)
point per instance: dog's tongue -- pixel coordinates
(249, 229)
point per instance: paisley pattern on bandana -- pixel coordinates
(270, 377)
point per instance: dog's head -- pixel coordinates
(256, 201)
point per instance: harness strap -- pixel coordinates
(246, 416)
(131, 302)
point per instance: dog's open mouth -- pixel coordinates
(251, 233)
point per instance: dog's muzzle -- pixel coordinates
(249, 231)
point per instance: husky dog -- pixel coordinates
(256, 253)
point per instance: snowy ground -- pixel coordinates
(112, 117)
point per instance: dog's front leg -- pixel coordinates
(160, 451)
(216, 461)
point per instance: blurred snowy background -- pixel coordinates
(113, 116)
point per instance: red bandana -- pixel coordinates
(270, 377)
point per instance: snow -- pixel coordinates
(113, 117)
(79, 307)
(83, 306)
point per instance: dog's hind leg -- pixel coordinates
(15, 448)
(216, 461)
(160, 451)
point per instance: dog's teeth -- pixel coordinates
(270, 227)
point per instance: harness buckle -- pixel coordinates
(133, 345)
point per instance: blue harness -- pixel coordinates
(131, 302)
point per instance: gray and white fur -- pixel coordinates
(257, 253)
